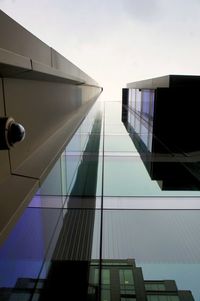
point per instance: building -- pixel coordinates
(75, 195)
(121, 280)
(168, 156)
(38, 86)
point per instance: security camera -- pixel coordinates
(11, 132)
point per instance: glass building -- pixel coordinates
(95, 195)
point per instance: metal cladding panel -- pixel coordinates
(2, 113)
(168, 81)
(4, 159)
(152, 83)
(44, 72)
(50, 113)
(17, 39)
(12, 64)
(61, 63)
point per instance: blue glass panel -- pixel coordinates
(23, 253)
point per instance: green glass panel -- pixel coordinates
(128, 277)
(127, 176)
(105, 276)
(127, 299)
(155, 286)
(52, 184)
(105, 295)
(93, 278)
(160, 287)
(118, 143)
(84, 174)
(174, 298)
(115, 129)
(121, 277)
(130, 289)
(115, 263)
(20, 297)
(152, 298)
(63, 174)
(96, 276)
(162, 298)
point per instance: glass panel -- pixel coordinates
(154, 287)
(115, 129)
(105, 276)
(17, 296)
(174, 298)
(138, 101)
(94, 276)
(151, 202)
(112, 112)
(77, 143)
(164, 243)
(23, 253)
(66, 239)
(118, 143)
(86, 177)
(58, 237)
(128, 277)
(127, 176)
(105, 295)
(73, 202)
(73, 254)
(44, 201)
(162, 298)
(53, 183)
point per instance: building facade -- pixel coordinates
(77, 197)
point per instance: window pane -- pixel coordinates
(128, 277)
(155, 286)
(162, 298)
(105, 295)
(105, 276)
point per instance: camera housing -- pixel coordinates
(11, 132)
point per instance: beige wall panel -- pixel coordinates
(15, 194)
(61, 63)
(41, 161)
(4, 159)
(1, 100)
(12, 64)
(44, 109)
(17, 39)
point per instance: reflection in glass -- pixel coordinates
(70, 243)
(23, 252)
(165, 243)
(53, 244)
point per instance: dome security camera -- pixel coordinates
(11, 132)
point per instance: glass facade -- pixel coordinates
(99, 207)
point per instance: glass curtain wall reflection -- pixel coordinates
(100, 228)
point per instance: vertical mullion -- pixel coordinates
(101, 210)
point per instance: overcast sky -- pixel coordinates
(117, 41)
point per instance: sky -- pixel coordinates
(117, 41)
